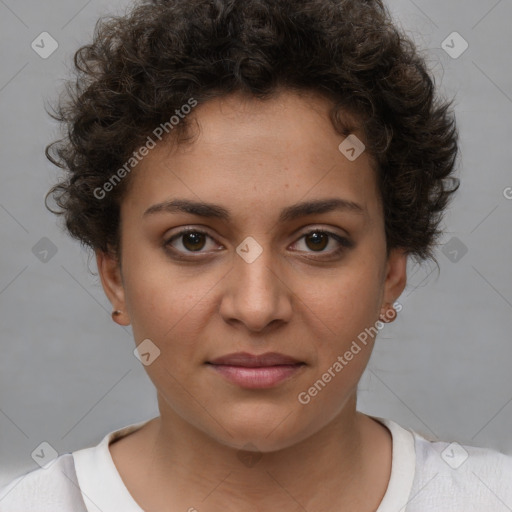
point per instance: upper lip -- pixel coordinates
(253, 361)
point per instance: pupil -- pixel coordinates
(194, 238)
(318, 237)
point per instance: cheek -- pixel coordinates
(345, 304)
(168, 304)
(342, 312)
(342, 316)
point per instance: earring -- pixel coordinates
(389, 315)
(115, 313)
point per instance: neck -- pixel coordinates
(179, 464)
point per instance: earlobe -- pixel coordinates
(111, 279)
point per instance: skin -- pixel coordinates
(254, 158)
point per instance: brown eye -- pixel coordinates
(318, 240)
(193, 241)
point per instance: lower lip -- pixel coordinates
(257, 378)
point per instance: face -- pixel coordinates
(254, 272)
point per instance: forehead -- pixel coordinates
(255, 154)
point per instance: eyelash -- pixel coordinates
(345, 243)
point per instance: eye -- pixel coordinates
(318, 240)
(192, 240)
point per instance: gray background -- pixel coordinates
(67, 372)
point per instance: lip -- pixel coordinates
(256, 371)
(254, 361)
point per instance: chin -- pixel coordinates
(257, 433)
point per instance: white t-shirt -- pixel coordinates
(426, 476)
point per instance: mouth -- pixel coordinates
(256, 371)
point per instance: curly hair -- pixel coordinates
(144, 66)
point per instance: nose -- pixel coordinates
(256, 293)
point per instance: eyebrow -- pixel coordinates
(289, 213)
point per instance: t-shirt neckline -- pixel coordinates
(403, 467)
(103, 489)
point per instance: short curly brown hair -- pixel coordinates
(142, 67)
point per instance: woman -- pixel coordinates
(252, 177)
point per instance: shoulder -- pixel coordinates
(460, 477)
(52, 488)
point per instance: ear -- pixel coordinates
(111, 279)
(395, 276)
